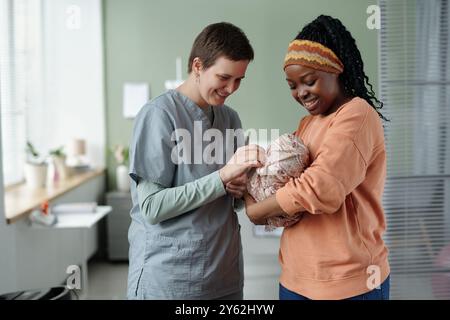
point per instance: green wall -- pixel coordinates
(143, 38)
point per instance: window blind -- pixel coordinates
(20, 79)
(414, 69)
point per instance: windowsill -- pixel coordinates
(20, 200)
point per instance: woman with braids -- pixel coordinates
(336, 250)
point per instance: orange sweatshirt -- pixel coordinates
(333, 252)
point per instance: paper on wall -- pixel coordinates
(135, 96)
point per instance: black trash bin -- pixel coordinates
(55, 293)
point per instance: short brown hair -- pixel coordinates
(220, 39)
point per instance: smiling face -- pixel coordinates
(318, 91)
(219, 81)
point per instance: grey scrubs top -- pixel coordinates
(198, 254)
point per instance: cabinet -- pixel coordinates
(118, 222)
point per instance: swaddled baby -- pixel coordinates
(286, 157)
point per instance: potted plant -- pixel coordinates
(58, 157)
(120, 153)
(35, 168)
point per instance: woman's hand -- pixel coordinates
(245, 158)
(258, 212)
(238, 186)
(249, 208)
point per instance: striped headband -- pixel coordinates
(313, 55)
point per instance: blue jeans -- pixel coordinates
(376, 294)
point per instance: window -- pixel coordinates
(20, 79)
(414, 81)
(51, 79)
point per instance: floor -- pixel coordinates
(107, 280)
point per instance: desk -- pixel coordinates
(81, 220)
(85, 227)
(20, 200)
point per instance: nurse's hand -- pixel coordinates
(245, 158)
(258, 212)
(238, 186)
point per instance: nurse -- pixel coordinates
(184, 235)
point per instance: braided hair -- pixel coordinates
(331, 33)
